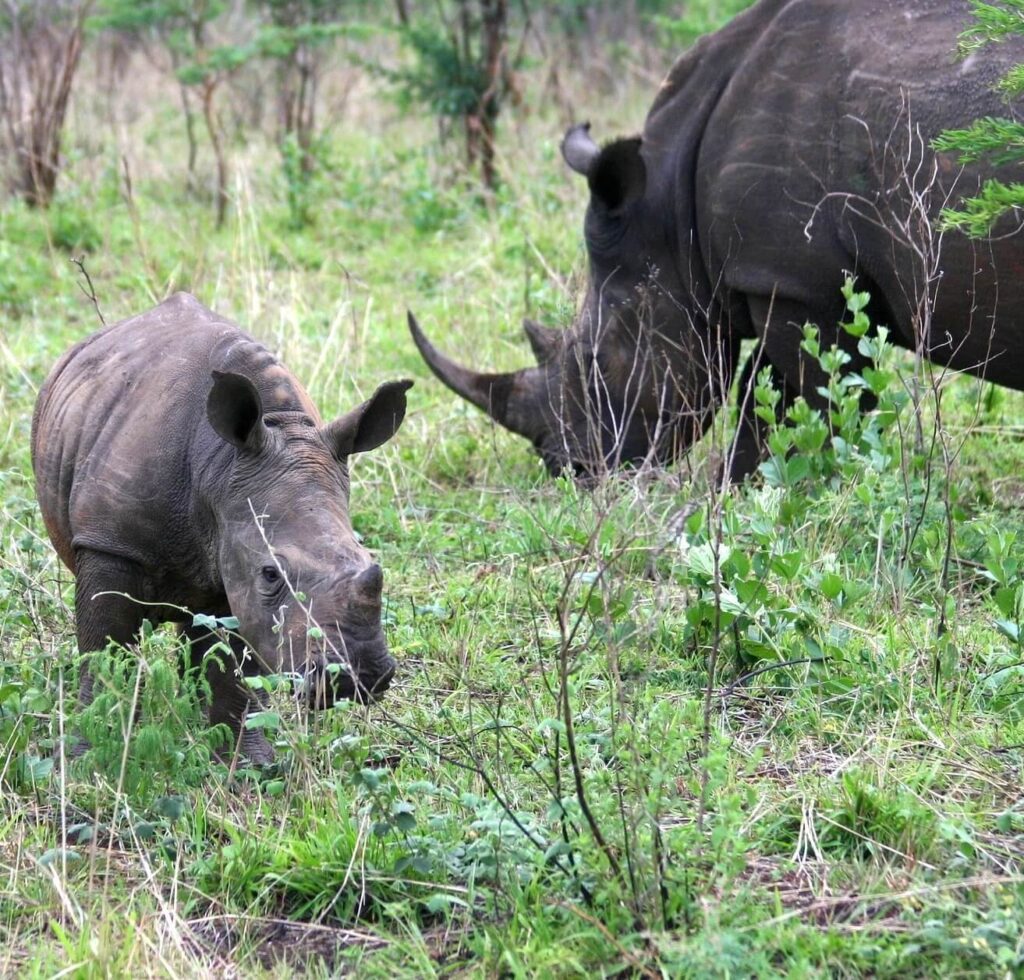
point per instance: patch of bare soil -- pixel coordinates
(278, 942)
(803, 889)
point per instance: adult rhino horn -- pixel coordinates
(544, 341)
(508, 398)
(579, 150)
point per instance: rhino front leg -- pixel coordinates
(105, 589)
(794, 372)
(749, 445)
(231, 699)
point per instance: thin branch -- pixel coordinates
(89, 293)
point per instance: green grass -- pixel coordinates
(801, 777)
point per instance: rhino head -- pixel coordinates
(306, 593)
(638, 376)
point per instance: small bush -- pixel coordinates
(145, 730)
(73, 231)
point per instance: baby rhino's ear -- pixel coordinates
(371, 424)
(234, 409)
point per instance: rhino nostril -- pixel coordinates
(370, 582)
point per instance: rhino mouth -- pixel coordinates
(331, 680)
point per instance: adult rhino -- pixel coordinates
(787, 149)
(180, 466)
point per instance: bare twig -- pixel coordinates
(90, 292)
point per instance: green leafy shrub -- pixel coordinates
(23, 704)
(880, 822)
(820, 449)
(144, 727)
(998, 140)
(73, 230)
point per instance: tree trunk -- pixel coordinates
(190, 134)
(494, 26)
(209, 87)
(190, 122)
(37, 66)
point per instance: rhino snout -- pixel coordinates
(351, 661)
(364, 679)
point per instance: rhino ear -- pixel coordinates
(371, 424)
(579, 150)
(618, 176)
(544, 341)
(234, 410)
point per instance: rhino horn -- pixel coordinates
(544, 341)
(507, 398)
(579, 150)
(369, 583)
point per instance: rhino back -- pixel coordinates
(817, 153)
(124, 458)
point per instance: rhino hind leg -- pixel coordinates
(231, 700)
(104, 611)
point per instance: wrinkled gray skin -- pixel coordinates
(780, 153)
(177, 462)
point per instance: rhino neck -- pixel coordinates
(212, 465)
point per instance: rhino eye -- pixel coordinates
(271, 423)
(270, 574)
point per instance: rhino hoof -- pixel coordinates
(253, 749)
(256, 748)
(77, 748)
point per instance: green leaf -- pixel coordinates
(831, 585)
(40, 769)
(797, 468)
(771, 470)
(56, 854)
(214, 622)
(701, 558)
(1009, 629)
(81, 833)
(559, 848)
(739, 564)
(370, 778)
(440, 902)
(787, 564)
(171, 807)
(263, 720)
(403, 815)
(1006, 600)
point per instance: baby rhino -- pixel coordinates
(179, 466)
